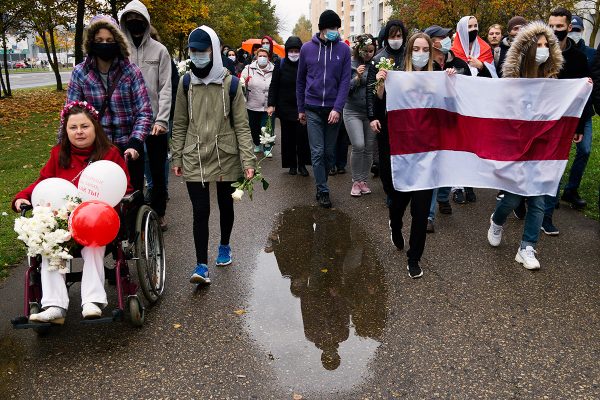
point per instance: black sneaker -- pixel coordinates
(548, 227)
(396, 237)
(445, 207)
(293, 171)
(414, 270)
(430, 226)
(521, 210)
(459, 196)
(332, 171)
(148, 196)
(324, 200)
(572, 196)
(470, 195)
(375, 170)
(500, 196)
(341, 171)
(302, 170)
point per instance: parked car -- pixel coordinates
(21, 64)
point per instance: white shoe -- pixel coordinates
(54, 315)
(257, 149)
(91, 311)
(494, 233)
(268, 154)
(526, 257)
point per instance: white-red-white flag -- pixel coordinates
(509, 134)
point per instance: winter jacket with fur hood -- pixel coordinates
(154, 60)
(127, 119)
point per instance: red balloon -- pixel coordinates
(94, 223)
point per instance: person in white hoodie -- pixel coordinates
(155, 62)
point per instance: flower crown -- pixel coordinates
(362, 41)
(81, 104)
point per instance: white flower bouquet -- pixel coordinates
(47, 233)
(386, 64)
(183, 66)
(247, 185)
(266, 133)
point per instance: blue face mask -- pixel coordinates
(200, 60)
(266, 46)
(332, 36)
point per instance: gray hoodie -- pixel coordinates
(155, 62)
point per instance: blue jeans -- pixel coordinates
(439, 194)
(322, 139)
(533, 218)
(582, 155)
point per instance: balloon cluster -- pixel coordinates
(101, 187)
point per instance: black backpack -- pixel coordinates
(235, 81)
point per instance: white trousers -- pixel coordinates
(54, 289)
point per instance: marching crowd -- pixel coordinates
(127, 95)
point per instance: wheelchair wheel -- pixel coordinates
(136, 311)
(150, 254)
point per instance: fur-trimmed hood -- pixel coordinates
(106, 22)
(522, 43)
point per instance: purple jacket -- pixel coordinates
(324, 73)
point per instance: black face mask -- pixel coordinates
(561, 35)
(201, 72)
(136, 26)
(106, 51)
(473, 35)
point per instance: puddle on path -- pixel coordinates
(318, 306)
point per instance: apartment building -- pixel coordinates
(358, 16)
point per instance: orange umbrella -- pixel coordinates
(277, 48)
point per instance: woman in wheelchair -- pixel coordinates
(83, 142)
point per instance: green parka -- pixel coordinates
(204, 143)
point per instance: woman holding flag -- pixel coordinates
(535, 53)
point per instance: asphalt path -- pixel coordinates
(318, 305)
(35, 79)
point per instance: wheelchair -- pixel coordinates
(139, 241)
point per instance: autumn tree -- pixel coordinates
(12, 13)
(303, 29)
(423, 13)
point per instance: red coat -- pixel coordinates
(79, 160)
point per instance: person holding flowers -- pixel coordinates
(211, 143)
(83, 142)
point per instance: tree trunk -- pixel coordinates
(6, 89)
(55, 67)
(79, 31)
(113, 10)
(3, 89)
(52, 63)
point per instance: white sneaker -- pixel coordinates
(494, 233)
(91, 311)
(257, 149)
(54, 315)
(526, 257)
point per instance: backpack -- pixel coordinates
(232, 91)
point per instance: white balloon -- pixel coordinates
(103, 180)
(53, 192)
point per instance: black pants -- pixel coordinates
(157, 147)
(341, 146)
(294, 144)
(256, 120)
(420, 202)
(136, 171)
(200, 197)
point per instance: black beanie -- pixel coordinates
(329, 19)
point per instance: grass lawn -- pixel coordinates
(28, 126)
(30, 70)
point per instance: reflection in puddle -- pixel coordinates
(318, 301)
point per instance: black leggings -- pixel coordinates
(200, 197)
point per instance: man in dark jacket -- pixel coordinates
(575, 66)
(512, 29)
(324, 73)
(577, 34)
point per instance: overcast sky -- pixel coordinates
(288, 12)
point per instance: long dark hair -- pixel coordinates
(101, 144)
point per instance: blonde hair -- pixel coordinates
(260, 49)
(408, 52)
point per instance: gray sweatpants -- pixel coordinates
(362, 139)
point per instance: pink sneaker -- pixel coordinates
(364, 189)
(356, 189)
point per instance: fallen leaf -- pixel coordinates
(240, 376)
(324, 270)
(297, 396)
(240, 312)
(176, 326)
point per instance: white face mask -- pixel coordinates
(395, 44)
(576, 36)
(541, 55)
(446, 45)
(262, 61)
(294, 57)
(232, 58)
(420, 59)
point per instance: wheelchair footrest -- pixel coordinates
(23, 323)
(104, 320)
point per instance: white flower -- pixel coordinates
(4, 213)
(237, 195)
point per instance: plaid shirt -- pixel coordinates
(128, 118)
